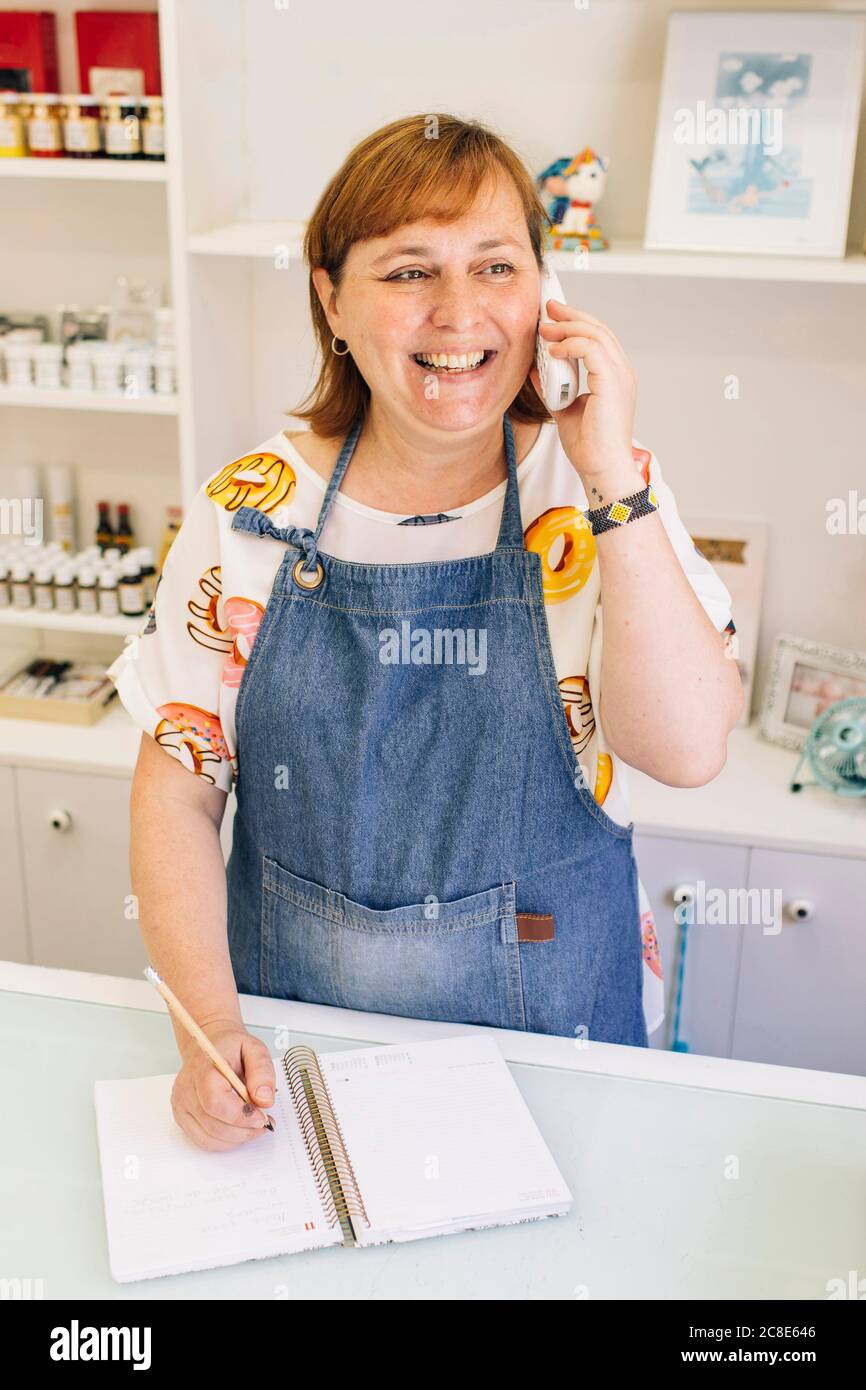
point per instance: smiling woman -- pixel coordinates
(423, 675)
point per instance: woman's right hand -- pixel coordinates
(206, 1107)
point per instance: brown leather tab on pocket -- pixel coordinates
(535, 926)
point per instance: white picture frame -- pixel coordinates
(756, 132)
(805, 678)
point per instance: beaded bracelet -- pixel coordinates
(625, 509)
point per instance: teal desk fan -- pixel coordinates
(835, 750)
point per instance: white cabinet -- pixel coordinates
(14, 944)
(802, 991)
(75, 847)
(712, 950)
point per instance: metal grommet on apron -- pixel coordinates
(413, 835)
(300, 577)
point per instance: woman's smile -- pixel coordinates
(454, 363)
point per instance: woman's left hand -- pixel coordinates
(596, 429)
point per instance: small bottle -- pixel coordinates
(44, 133)
(124, 538)
(88, 598)
(130, 590)
(107, 593)
(22, 596)
(82, 135)
(122, 128)
(173, 516)
(64, 589)
(152, 128)
(5, 586)
(43, 588)
(61, 492)
(11, 126)
(104, 528)
(47, 363)
(148, 572)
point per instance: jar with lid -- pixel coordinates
(43, 588)
(122, 128)
(107, 592)
(106, 360)
(44, 133)
(82, 130)
(165, 371)
(88, 598)
(152, 128)
(22, 596)
(138, 372)
(47, 361)
(64, 589)
(19, 364)
(130, 589)
(12, 141)
(79, 367)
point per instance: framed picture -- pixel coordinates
(805, 679)
(756, 132)
(737, 551)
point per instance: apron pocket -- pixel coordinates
(454, 961)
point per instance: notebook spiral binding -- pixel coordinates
(329, 1158)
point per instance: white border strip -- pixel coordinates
(529, 1049)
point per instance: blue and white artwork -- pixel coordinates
(748, 168)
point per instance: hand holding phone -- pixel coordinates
(558, 376)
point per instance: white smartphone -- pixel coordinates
(560, 381)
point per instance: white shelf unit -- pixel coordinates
(84, 170)
(259, 114)
(93, 624)
(38, 398)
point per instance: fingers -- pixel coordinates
(211, 1134)
(217, 1100)
(258, 1071)
(565, 317)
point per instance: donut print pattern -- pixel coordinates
(650, 944)
(209, 630)
(264, 481)
(192, 735)
(603, 777)
(244, 617)
(577, 705)
(563, 539)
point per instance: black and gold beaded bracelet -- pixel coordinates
(622, 511)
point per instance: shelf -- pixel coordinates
(749, 804)
(628, 257)
(109, 746)
(64, 399)
(105, 170)
(255, 239)
(94, 625)
(260, 240)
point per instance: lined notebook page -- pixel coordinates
(171, 1206)
(439, 1136)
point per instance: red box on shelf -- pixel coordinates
(28, 51)
(119, 39)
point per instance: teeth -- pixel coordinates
(453, 362)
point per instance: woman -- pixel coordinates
(399, 665)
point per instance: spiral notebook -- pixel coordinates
(372, 1145)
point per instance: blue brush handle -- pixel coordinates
(681, 918)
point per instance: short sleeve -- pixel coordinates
(169, 677)
(712, 593)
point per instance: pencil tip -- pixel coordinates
(269, 1123)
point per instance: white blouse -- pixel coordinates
(179, 677)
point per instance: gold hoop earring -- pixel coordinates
(335, 349)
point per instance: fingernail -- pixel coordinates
(265, 1095)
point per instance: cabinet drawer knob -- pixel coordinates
(800, 910)
(60, 820)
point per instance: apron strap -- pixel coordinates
(302, 538)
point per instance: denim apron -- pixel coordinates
(413, 834)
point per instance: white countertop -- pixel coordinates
(644, 1141)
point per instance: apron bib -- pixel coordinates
(413, 834)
